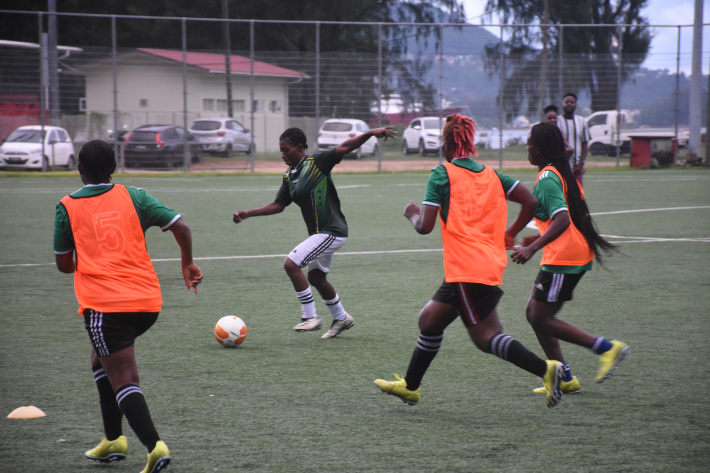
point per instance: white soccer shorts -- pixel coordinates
(316, 252)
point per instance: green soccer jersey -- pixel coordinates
(151, 213)
(437, 190)
(310, 186)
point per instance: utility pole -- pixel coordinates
(696, 85)
(227, 56)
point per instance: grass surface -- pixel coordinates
(287, 401)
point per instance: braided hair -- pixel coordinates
(295, 136)
(548, 140)
(458, 134)
(98, 160)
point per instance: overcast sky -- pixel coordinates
(664, 45)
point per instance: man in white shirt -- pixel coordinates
(576, 133)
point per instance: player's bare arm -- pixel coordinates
(423, 220)
(557, 227)
(352, 144)
(528, 205)
(269, 209)
(191, 273)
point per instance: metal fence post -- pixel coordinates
(42, 79)
(114, 60)
(501, 82)
(677, 98)
(620, 34)
(251, 84)
(379, 89)
(560, 62)
(186, 154)
(317, 111)
(441, 84)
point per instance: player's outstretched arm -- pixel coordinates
(269, 209)
(348, 146)
(191, 273)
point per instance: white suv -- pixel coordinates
(23, 149)
(423, 135)
(222, 135)
(334, 131)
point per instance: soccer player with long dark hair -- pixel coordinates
(570, 244)
(470, 200)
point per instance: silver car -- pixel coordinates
(222, 135)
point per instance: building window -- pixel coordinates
(238, 105)
(208, 105)
(143, 103)
(258, 105)
(275, 106)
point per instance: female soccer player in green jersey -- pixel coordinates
(570, 244)
(308, 183)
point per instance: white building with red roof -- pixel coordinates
(151, 85)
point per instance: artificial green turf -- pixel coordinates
(287, 401)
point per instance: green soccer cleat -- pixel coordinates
(609, 360)
(567, 387)
(399, 388)
(109, 450)
(158, 459)
(551, 381)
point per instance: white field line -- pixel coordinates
(624, 239)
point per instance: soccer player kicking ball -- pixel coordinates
(99, 236)
(471, 202)
(308, 183)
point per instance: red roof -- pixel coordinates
(213, 62)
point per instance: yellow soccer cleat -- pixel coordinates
(551, 381)
(567, 387)
(609, 360)
(109, 450)
(399, 388)
(158, 459)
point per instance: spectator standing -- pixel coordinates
(576, 133)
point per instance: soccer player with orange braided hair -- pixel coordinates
(471, 202)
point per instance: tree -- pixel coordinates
(289, 43)
(591, 55)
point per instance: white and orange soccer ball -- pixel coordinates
(230, 331)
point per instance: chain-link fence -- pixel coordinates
(404, 71)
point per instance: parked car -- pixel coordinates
(336, 130)
(222, 135)
(159, 145)
(423, 135)
(23, 149)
